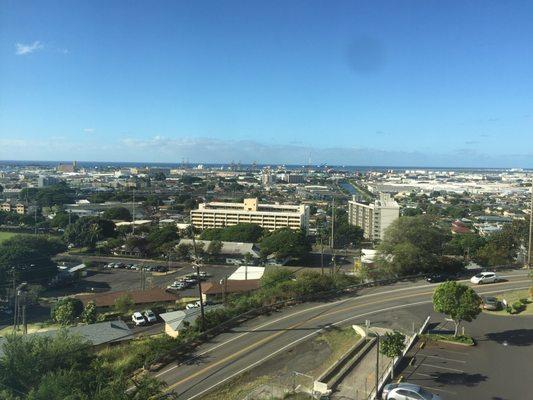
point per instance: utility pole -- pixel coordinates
(24, 322)
(143, 278)
(225, 289)
(133, 212)
(321, 255)
(332, 240)
(530, 228)
(197, 264)
(35, 219)
(377, 365)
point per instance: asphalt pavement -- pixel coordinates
(497, 368)
(247, 346)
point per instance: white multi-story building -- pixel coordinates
(375, 217)
(269, 216)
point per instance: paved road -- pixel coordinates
(250, 344)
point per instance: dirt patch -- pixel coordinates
(297, 367)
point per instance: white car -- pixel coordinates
(138, 319)
(196, 304)
(484, 277)
(406, 391)
(150, 316)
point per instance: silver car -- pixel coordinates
(406, 391)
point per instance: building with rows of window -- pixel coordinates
(269, 216)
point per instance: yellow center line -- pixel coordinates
(272, 337)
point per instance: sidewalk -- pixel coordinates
(360, 382)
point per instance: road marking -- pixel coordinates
(271, 337)
(445, 368)
(443, 358)
(430, 388)
(283, 349)
(309, 310)
(451, 351)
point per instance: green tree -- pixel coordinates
(502, 247)
(62, 219)
(86, 231)
(65, 311)
(214, 248)
(117, 213)
(29, 259)
(392, 345)
(457, 301)
(137, 243)
(276, 275)
(124, 303)
(89, 314)
(27, 358)
(49, 196)
(285, 243)
(184, 251)
(159, 237)
(412, 245)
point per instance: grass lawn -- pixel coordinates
(511, 297)
(6, 235)
(463, 340)
(32, 328)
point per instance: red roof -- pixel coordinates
(107, 299)
(459, 227)
(231, 286)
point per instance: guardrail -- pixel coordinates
(385, 376)
(250, 314)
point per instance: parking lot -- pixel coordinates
(111, 279)
(497, 368)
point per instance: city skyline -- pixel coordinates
(355, 83)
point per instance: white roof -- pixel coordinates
(228, 248)
(368, 255)
(247, 272)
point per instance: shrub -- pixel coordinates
(518, 307)
(524, 301)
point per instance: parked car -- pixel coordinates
(440, 277)
(491, 303)
(406, 391)
(196, 304)
(138, 319)
(484, 277)
(150, 316)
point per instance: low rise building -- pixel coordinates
(268, 216)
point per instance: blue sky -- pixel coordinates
(428, 83)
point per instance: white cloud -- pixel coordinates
(22, 49)
(88, 130)
(210, 150)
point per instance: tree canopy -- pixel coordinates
(244, 232)
(48, 196)
(458, 301)
(117, 213)
(86, 231)
(502, 247)
(29, 257)
(412, 245)
(63, 366)
(285, 243)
